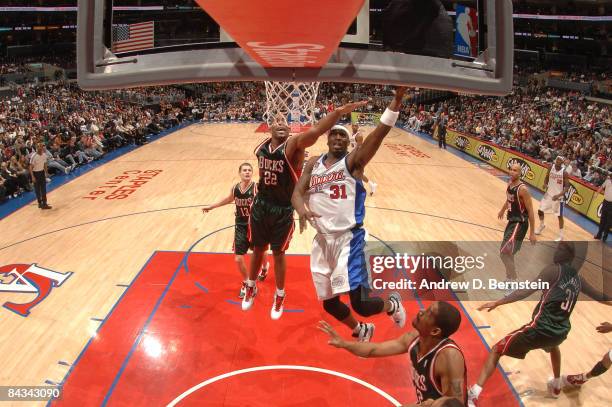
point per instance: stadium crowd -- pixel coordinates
(77, 127)
(542, 123)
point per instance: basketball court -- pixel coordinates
(132, 295)
(150, 314)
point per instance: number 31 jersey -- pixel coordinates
(337, 196)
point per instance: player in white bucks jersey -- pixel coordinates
(356, 140)
(332, 187)
(438, 366)
(242, 195)
(556, 184)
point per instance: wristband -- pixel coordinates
(389, 117)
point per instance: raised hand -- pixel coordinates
(334, 339)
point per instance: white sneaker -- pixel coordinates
(472, 398)
(365, 332)
(277, 307)
(263, 273)
(399, 316)
(373, 186)
(540, 229)
(242, 290)
(249, 297)
(553, 391)
(559, 238)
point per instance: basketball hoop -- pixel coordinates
(291, 104)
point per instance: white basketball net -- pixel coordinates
(291, 103)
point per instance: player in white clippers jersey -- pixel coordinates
(356, 140)
(556, 184)
(332, 187)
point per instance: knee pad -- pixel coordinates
(363, 304)
(336, 308)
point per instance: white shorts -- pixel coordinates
(548, 205)
(337, 263)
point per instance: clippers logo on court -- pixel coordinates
(487, 153)
(462, 142)
(572, 195)
(29, 279)
(526, 171)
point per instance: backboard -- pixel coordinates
(465, 46)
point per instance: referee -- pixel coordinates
(38, 172)
(606, 210)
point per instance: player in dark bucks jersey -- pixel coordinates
(550, 322)
(519, 212)
(438, 365)
(242, 195)
(280, 160)
(331, 196)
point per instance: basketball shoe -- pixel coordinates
(573, 380)
(277, 306)
(249, 297)
(243, 288)
(263, 273)
(363, 332)
(472, 400)
(553, 391)
(399, 313)
(540, 229)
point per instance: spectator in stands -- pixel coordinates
(606, 211)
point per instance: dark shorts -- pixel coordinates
(513, 237)
(241, 240)
(520, 342)
(270, 224)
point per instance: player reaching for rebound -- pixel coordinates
(356, 140)
(332, 187)
(519, 211)
(279, 159)
(439, 374)
(556, 183)
(550, 323)
(242, 195)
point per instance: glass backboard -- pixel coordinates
(466, 46)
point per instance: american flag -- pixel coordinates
(133, 37)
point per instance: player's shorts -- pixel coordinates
(548, 205)
(241, 240)
(338, 263)
(520, 342)
(270, 224)
(513, 236)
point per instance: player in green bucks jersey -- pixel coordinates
(242, 195)
(550, 322)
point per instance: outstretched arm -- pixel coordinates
(549, 274)
(369, 349)
(227, 200)
(299, 192)
(595, 294)
(362, 156)
(310, 136)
